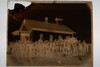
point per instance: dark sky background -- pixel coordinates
(76, 16)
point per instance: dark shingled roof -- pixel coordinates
(48, 27)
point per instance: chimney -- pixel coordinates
(58, 19)
(46, 19)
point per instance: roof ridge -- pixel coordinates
(43, 22)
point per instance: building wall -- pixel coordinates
(35, 35)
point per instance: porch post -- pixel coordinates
(51, 38)
(41, 36)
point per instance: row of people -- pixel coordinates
(70, 46)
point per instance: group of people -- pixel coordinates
(70, 46)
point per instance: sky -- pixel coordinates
(76, 16)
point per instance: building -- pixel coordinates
(34, 30)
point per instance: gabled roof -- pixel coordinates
(48, 27)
